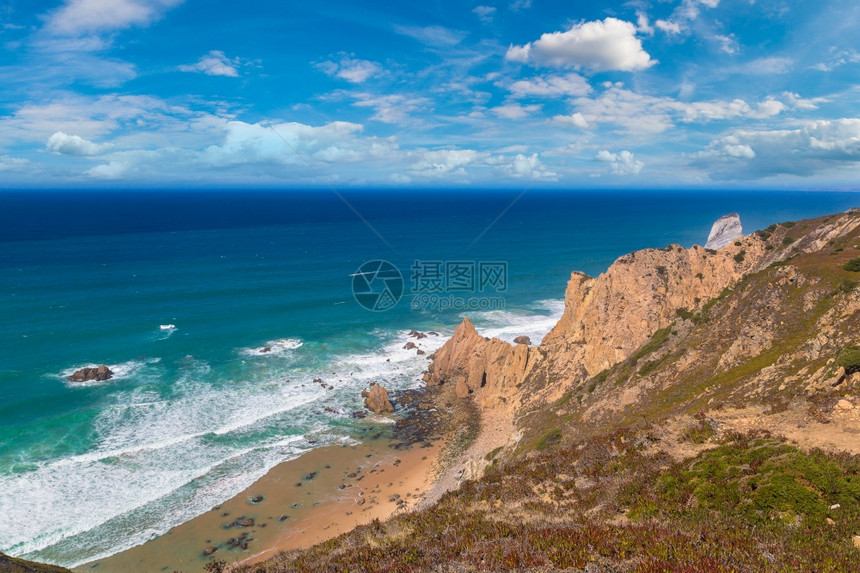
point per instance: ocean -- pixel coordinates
(217, 310)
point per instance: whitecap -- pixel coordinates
(534, 322)
(274, 347)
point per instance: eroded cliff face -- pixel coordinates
(487, 368)
(605, 319)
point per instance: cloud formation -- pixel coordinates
(77, 17)
(435, 36)
(353, 70)
(601, 45)
(621, 163)
(215, 63)
(66, 144)
(551, 86)
(485, 13)
(805, 151)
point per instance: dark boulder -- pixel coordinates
(99, 374)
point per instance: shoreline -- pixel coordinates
(304, 501)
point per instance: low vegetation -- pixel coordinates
(616, 503)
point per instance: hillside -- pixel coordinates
(693, 410)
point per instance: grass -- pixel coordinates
(548, 440)
(658, 339)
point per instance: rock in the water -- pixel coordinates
(376, 399)
(522, 340)
(99, 374)
(725, 230)
(210, 549)
(409, 346)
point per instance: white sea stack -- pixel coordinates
(725, 230)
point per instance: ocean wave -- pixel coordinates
(194, 434)
(535, 321)
(274, 347)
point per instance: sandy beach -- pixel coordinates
(297, 504)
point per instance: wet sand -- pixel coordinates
(305, 501)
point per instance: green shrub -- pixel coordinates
(684, 313)
(658, 339)
(650, 366)
(548, 440)
(787, 241)
(739, 258)
(849, 358)
(853, 265)
(845, 286)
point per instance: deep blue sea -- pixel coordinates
(180, 292)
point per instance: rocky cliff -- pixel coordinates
(672, 306)
(605, 318)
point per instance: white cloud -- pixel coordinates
(610, 44)
(622, 163)
(814, 147)
(638, 113)
(350, 69)
(518, 5)
(13, 163)
(766, 66)
(445, 162)
(86, 16)
(795, 101)
(392, 108)
(838, 58)
(527, 166)
(728, 44)
(112, 170)
(668, 26)
(485, 13)
(683, 15)
(642, 24)
(65, 144)
(551, 86)
(215, 63)
(575, 119)
(435, 36)
(338, 141)
(515, 110)
(93, 117)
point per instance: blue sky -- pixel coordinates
(516, 93)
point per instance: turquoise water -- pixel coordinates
(179, 291)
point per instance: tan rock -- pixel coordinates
(844, 405)
(471, 362)
(376, 399)
(607, 318)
